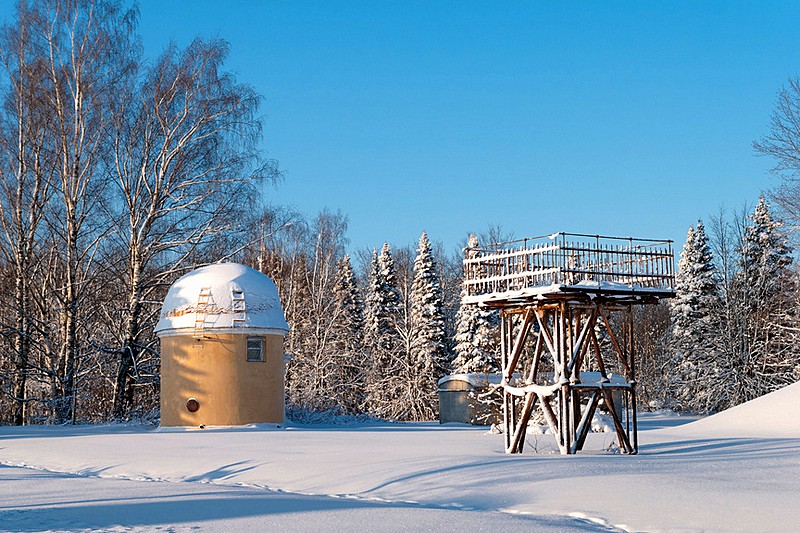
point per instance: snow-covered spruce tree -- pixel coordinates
(381, 339)
(767, 292)
(697, 366)
(382, 300)
(348, 333)
(766, 256)
(428, 353)
(476, 343)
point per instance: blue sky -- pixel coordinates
(625, 118)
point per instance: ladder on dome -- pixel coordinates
(238, 308)
(201, 311)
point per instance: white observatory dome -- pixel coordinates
(222, 298)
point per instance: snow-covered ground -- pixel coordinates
(736, 471)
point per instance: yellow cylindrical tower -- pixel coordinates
(222, 360)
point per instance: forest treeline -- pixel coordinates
(119, 173)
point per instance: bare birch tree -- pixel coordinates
(185, 166)
(314, 371)
(87, 50)
(25, 179)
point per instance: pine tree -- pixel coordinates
(766, 256)
(350, 389)
(428, 354)
(767, 295)
(476, 345)
(383, 300)
(475, 336)
(382, 305)
(373, 311)
(697, 366)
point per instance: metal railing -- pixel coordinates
(570, 259)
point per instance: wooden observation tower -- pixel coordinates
(575, 294)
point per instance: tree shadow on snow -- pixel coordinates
(269, 511)
(732, 448)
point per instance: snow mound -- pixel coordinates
(774, 415)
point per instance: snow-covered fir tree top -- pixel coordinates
(764, 248)
(696, 287)
(213, 297)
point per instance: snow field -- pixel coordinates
(729, 472)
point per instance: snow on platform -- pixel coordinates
(606, 289)
(636, 270)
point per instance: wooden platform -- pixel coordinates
(573, 266)
(567, 289)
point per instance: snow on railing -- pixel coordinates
(569, 259)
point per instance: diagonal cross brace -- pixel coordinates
(580, 344)
(622, 358)
(548, 338)
(516, 351)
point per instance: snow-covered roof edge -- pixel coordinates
(476, 379)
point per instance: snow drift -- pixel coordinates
(774, 415)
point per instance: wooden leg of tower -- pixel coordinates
(508, 428)
(634, 428)
(504, 335)
(576, 413)
(624, 442)
(525, 417)
(586, 421)
(565, 422)
(632, 366)
(518, 440)
(512, 412)
(565, 404)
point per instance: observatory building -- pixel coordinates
(222, 360)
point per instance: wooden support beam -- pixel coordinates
(507, 423)
(632, 394)
(537, 357)
(622, 357)
(565, 410)
(518, 439)
(513, 413)
(504, 333)
(550, 417)
(586, 421)
(634, 428)
(575, 415)
(580, 344)
(565, 394)
(513, 358)
(548, 338)
(598, 354)
(624, 442)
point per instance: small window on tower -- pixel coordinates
(255, 349)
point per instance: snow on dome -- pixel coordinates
(219, 298)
